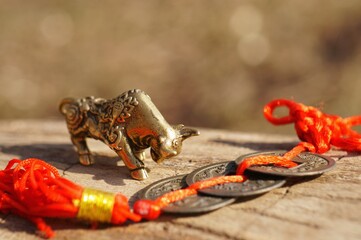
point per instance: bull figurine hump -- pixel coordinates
(128, 124)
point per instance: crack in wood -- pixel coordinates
(68, 168)
(265, 214)
(329, 198)
(206, 230)
(262, 212)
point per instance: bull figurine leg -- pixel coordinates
(131, 158)
(84, 154)
(135, 165)
(139, 153)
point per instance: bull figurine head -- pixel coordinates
(170, 145)
(128, 124)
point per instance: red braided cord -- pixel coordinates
(34, 189)
(151, 209)
(317, 131)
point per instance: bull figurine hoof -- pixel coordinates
(128, 124)
(139, 174)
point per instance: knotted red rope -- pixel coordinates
(317, 131)
(34, 189)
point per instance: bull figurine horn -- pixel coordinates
(186, 132)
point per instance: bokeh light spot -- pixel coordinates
(57, 29)
(246, 20)
(254, 49)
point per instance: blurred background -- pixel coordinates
(204, 63)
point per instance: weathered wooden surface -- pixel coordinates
(327, 207)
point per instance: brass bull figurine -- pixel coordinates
(128, 124)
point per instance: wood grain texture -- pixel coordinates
(325, 207)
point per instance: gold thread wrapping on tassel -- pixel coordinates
(95, 206)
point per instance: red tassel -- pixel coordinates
(34, 189)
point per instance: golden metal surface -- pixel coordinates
(96, 206)
(128, 124)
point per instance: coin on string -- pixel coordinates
(193, 204)
(255, 184)
(309, 164)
